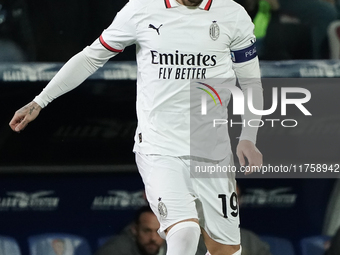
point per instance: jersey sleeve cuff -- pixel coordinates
(40, 102)
(249, 138)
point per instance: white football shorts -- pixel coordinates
(176, 196)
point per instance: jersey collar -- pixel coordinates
(205, 5)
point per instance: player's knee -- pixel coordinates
(188, 220)
(184, 226)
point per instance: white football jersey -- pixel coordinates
(176, 44)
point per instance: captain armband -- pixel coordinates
(240, 56)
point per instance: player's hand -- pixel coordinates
(24, 115)
(247, 150)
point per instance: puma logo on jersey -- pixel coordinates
(157, 29)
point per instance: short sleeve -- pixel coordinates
(122, 31)
(243, 41)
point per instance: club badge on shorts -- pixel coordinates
(163, 212)
(214, 31)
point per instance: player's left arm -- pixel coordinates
(246, 148)
(247, 70)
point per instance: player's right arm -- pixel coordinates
(72, 74)
(113, 40)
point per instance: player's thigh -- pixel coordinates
(168, 188)
(217, 206)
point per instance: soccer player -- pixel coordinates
(176, 42)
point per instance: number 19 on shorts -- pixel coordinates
(233, 204)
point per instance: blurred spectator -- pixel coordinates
(252, 244)
(277, 39)
(261, 12)
(139, 238)
(291, 29)
(16, 37)
(334, 39)
(334, 248)
(317, 15)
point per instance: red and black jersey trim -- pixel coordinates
(208, 5)
(167, 3)
(108, 47)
